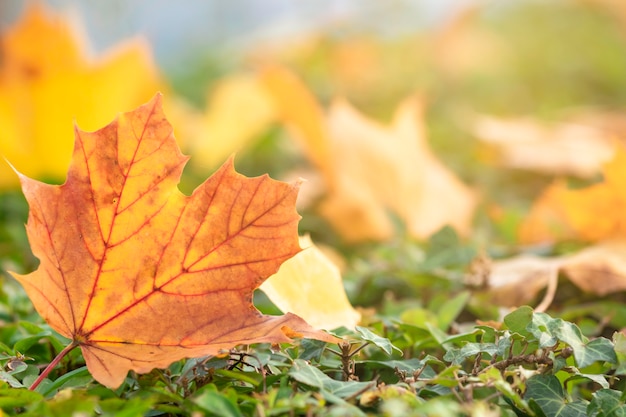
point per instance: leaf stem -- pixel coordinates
(52, 364)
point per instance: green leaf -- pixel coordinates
(549, 331)
(606, 403)
(72, 403)
(543, 327)
(10, 379)
(518, 320)
(585, 353)
(81, 374)
(619, 341)
(600, 349)
(11, 398)
(459, 339)
(311, 349)
(124, 407)
(446, 250)
(547, 393)
(456, 356)
(450, 310)
(597, 378)
(303, 372)
(382, 342)
(25, 343)
(252, 378)
(493, 376)
(410, 366)
(217, 403)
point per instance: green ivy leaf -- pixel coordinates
(550, 331)
(309, 375)
(606, 403)
(11, 398)
(217, 403)
(546, 393)
(331, 389)
(445, 249)
(597, 378)
(450, 310)
(543, 328)
(382, 342)
(493, 376)
(619, 340)
(600, 349)
(456, 356)
(518, 320)
(499, 349)
(10, 379)
(409, 366)
(585, 352)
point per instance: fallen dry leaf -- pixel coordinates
(395, 165)
(139, 275)
(47, 83)
(599, 270)
(310, 286)
(517, 281)
(564, 148)
(369, 168)
(593, 213)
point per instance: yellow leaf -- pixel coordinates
(395, 169)
(310, 286)
(47, 83)
(299, 110)
(239, 110)
(369, 168)
(593, 213)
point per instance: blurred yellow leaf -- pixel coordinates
(47, 82)
(298, 109)
(310, 286)
(397, 166)
(593, 213)
(370, 168)
(564, 148)
(239, 110)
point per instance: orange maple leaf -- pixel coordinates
(139, 275)
(594, 213)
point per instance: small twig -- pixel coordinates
(520, 359)
(346, 355)
(477, 361)
(373, 383)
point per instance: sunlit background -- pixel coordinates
(178, 31)
(509, 95)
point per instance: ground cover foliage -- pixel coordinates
(438, 334)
